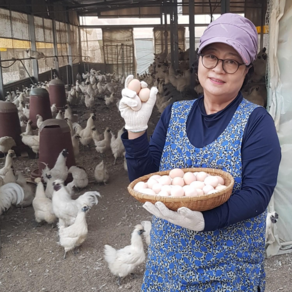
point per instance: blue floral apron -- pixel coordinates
(227, 259)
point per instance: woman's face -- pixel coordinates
(217, 84)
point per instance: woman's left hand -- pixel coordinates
(184, 217)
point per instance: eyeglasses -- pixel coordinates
(229, 66)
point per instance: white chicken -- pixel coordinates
(85, 133)
(80, 177)
(43, 209)
(39, 121)
(100, 173)
(272, 218)
(54, 110)
(32, 141)
(10, 194)
(89, 100)
(9, 177)
(117, 145)
(68, 113)
(28, 128)
(103, 145)
(8, 163)
(67, 209)
(75, 143)
(74, 235)
(122, 262)
(147, 227)
(60, 169)
(28, 189)
(6, 143)
(60, 115)
(109, 99)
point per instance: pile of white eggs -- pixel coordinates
(179, 184)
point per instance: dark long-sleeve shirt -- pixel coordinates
(260, 153)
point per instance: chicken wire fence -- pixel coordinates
(16, 40)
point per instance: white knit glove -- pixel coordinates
(136, 120)
(184, 217)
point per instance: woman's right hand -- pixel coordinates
(136, 121)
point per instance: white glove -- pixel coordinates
(136, 120)
(184, 217)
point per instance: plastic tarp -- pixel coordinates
(119, 50)
(13, 43)
(279, 90)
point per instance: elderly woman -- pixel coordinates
(221, 249)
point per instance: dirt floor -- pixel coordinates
(31, 259)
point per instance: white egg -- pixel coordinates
(200, 192)
(166, 188)
(212, 192)
(151, 181)
(156, 176)
(212, 181)
(177, 191)
(220, 179)
(178, 181)
(197, 184)
(156, 188)
(189, 177)
(201, 176)
(207, 189)
(220, 188)
(148, 192)
(189, 191)
(140, 185)
(176, 172)
(163, 193)
(165, 180)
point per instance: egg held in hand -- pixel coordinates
(144, 94)
(135, 85)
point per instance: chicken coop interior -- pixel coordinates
(63, 67)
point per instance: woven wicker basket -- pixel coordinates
(201, 203)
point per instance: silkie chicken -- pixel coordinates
(60, 169)
(8, 163)
(100, 173)
(85, 133)
(103, 145)
(117, 145)
(74, 235)
(28, 189)
(272, 218)
(10, 194)
(67, 209)
(43, 209)
(122, 262)
(80, 177)
(147, 227)
(6, 143)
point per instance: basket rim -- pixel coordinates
(183, 198)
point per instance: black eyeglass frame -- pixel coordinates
(238, 64)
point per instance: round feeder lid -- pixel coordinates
(56, 81)
(39, 92)
(7, 107)
(55, 123)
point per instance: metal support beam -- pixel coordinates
(225, 6)
(192, 40)
(165, 33)
(31, 30)
(55, 46)
(171, 31)
(175, 34)
(70, 52)
(2, 96)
